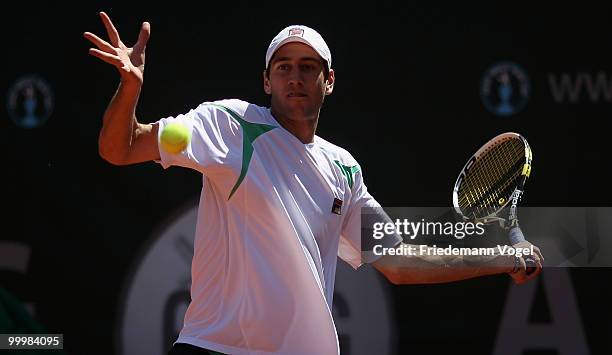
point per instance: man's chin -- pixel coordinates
(300, 117)
(298, 112)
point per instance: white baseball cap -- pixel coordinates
(303, 34)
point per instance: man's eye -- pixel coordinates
(283, 67)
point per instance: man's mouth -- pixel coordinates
(296, 94)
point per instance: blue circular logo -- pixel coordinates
(505, 89)
(30, 102)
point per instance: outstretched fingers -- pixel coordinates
(107, 57)
(143, 37)
(99, 42)
(110, 29)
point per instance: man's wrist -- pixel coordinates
(130, 84)
(508, 263)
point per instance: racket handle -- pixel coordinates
(515, 234)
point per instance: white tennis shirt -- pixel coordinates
(274, 215)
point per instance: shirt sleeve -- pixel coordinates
(215, 138)
(350, 248)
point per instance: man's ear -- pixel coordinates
(266, 83)
(329, 83)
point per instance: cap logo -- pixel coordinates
(296, 32)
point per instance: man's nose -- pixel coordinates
(295, 77)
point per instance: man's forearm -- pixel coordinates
(119, 124)
(427, 267)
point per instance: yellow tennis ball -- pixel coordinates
(174, 138)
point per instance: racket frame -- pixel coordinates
(516, 194)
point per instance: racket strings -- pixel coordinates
(489, 189)
(490, 185)
(491, 180)
(480, 180)
(517, 155)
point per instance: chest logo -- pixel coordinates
(337, 206)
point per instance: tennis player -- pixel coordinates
(278, 203)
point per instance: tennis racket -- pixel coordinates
(492, 180)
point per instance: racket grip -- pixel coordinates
(515, 234)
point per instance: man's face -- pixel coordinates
(297, 82)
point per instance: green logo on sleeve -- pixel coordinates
(348, 171)
(250, 132)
